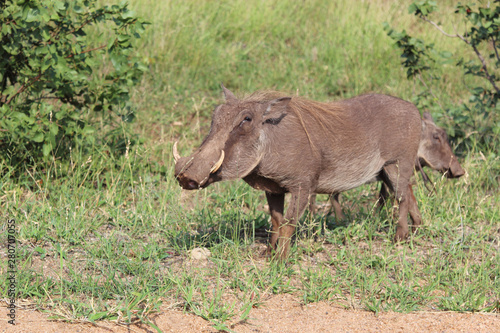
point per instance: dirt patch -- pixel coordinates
(280, 313)
(283, 313)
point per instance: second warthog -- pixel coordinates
(282, 144)
(434, 151)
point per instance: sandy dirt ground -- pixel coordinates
(280, 313)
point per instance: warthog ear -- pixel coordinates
(427, 116)
(276, 110)
(228, 95)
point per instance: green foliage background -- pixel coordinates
(52, 93)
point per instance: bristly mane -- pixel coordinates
(325, 114)
(300, 105)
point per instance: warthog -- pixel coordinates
(434, 152)
(282, 144)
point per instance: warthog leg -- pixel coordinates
(284, 226)
(383, 196)
(414, 212)
(334, 199)
(412, 204)
(337, 209)
(276, 204)
(397, 178)
(298, 204)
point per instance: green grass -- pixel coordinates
(108, 237)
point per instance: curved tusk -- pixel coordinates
(218, 163)
(175, 152)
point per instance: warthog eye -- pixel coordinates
(246, 119)
(435, 136)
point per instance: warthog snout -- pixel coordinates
(194, 176)
(455, 170)
(186, 183)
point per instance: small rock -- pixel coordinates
(199, 253)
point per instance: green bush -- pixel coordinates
(476, 121)
(55, 90)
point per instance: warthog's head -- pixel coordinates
(236, 142)
(435, 151)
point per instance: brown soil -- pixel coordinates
(281, 313)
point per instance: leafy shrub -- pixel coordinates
(54, 88)
(476, 121)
